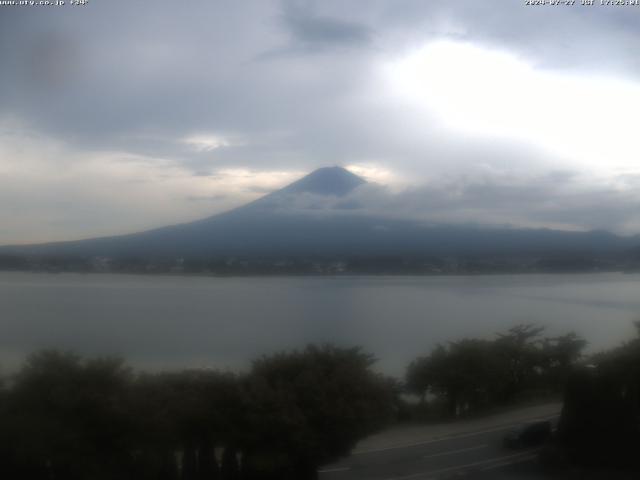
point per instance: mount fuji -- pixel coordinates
(275, 226)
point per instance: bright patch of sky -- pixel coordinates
(584, 121)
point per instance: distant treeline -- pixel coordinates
(327, 265)
(66, 417)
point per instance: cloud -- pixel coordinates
(563, 200)
(278, 88)
(311, 31)
(67, 195)
(494, 94)
(206, 142)
(559, 199)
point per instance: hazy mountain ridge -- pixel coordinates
(267, 227)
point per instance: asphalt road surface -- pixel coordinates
(474, 454)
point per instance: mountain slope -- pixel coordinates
(271, 227)
(325, 181)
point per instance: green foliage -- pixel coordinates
(471, 374)
(558, 357)
(191, 413)
(65, 417)
(311, 407)
(600, 422)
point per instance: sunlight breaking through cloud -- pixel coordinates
(587, 121)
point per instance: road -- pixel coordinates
(460, 450)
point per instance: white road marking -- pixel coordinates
(431, 475)
(504, 464)
(454, 436)
(334, 470)
(453, 452)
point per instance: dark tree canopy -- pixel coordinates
(312, 406)
(600, 422)
(65, 417)
(471, 374)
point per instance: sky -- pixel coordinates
(119, 116)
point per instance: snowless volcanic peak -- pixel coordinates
(336, 181)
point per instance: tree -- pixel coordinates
(466, 373)
(471, 374)
(67, 418)
(419, 377)
(310, 407)
(558, 356)
(187, 413)
(519, 353)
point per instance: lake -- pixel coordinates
(179, 321)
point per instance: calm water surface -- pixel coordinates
(173, 321)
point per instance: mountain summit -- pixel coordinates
(336, 181)
(276, 226)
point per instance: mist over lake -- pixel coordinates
(180, 321)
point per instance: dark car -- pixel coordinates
(528, 435)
